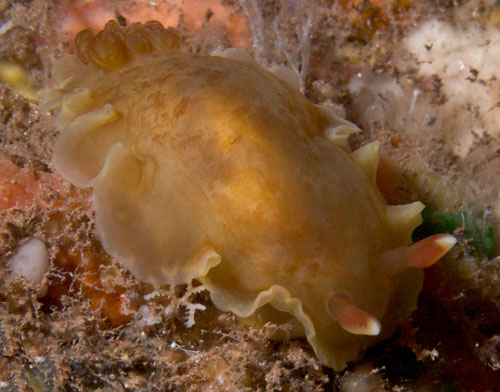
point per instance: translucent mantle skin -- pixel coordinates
(214, 168)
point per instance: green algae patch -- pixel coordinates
(479, 236)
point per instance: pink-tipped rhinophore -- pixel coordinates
(341, 307)
(422, 254)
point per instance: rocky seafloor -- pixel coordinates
(418, 76)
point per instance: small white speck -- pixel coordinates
(145, 316)
(6, 27)
(416, 93)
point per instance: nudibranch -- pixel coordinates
(211, 167)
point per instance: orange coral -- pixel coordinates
(80, 272)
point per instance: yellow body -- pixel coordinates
(214, 168)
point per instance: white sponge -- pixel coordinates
(30, 261)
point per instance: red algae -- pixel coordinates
(78, 15)
(21, 188)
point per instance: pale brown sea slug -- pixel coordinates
(214, 168)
